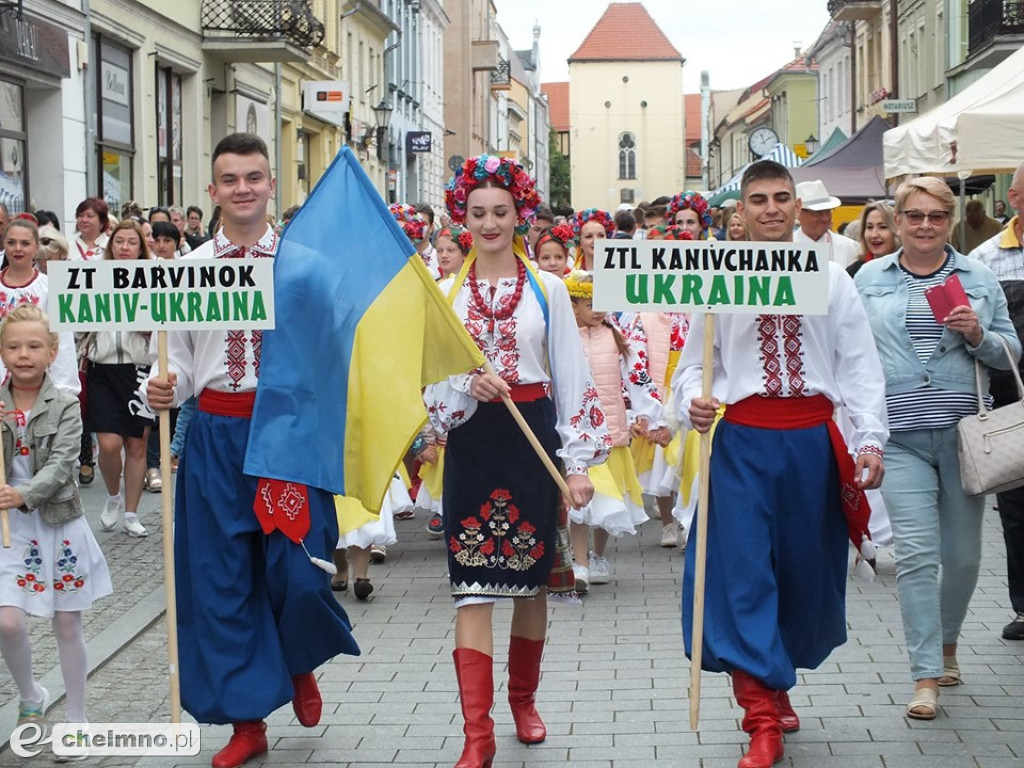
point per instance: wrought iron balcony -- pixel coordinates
(501, 78)
(854, 10)
(994, 21)
(13, 7)
(260, 30)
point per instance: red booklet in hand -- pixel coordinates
(943, 298)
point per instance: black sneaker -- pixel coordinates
(1015, 629)
(435, 527)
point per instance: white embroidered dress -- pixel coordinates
(520, 348)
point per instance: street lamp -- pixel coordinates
(382, 113)
(811, 144)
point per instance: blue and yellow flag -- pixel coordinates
(360, 329)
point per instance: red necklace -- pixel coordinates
(503, 312)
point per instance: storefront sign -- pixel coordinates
(325, 96)
(114, 84)
(417, 141)
(34, 44)
(733, 277)
(159, 295)
(252, 117)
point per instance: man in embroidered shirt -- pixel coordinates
(256, 617)
(777, 550)
(1004, 255)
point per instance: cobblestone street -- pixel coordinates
(614, 686)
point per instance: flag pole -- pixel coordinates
(532, 438)
(697, 639)
(167, 516)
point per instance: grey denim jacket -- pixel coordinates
(54, 438)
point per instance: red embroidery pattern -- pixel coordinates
(236, 358)
(501, 347)
(257, 347)
(793, 346)
(496, 538)
(767, 326)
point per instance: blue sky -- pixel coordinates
(737, 41)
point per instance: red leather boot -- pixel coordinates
(761, 721)
(307, 703)
(523, 677)
(787, 716)
(248, 740)
(475, 672)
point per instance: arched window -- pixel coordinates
(627, 156)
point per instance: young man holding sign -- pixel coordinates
(776, 534)
(256, 616)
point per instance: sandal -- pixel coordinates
(924, 705)
(339, 584)
(950, 672)
(86, 474)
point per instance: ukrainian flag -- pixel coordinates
(360, 329)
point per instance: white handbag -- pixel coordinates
(992, 442)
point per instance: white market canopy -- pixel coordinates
(977, 131)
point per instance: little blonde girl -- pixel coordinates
(617, 506)
(54, 567)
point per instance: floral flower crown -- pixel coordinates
(503, 171)
(415, 227)
(462, 237)
(669, 232)
(580, 284)
(560, 233)
(695, 202)
(593, 214)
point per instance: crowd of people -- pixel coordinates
(815, 419)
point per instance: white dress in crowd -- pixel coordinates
(48, 568)
(378, 531)
(64, 370)
(614, 508)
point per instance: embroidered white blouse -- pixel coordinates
(82, 252)
(226, 361)
(64, 370)
(794, 356)
(519, 349)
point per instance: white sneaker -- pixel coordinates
(600, 569)
(670, 535)
(134, 528)
(84, 755)
(582, 578)
(111, 513)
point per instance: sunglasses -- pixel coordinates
(934, 217)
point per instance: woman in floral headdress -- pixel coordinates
(690, 211)
(589, 226)
(415, 229)
(501, 506)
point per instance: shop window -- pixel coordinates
(168, 122)
(13, 165)
(115, 131)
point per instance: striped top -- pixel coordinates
(926, 407)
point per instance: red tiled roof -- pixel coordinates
(691, 105)
(626, 32)
(558, 105)
(693, 169)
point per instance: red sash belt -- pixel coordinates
(801, 413)
(279, 505)
(218, 403)
(526, 393)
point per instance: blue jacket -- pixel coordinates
(883, 288)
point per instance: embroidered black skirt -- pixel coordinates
(500, 503)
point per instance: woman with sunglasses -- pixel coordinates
(930, 385)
